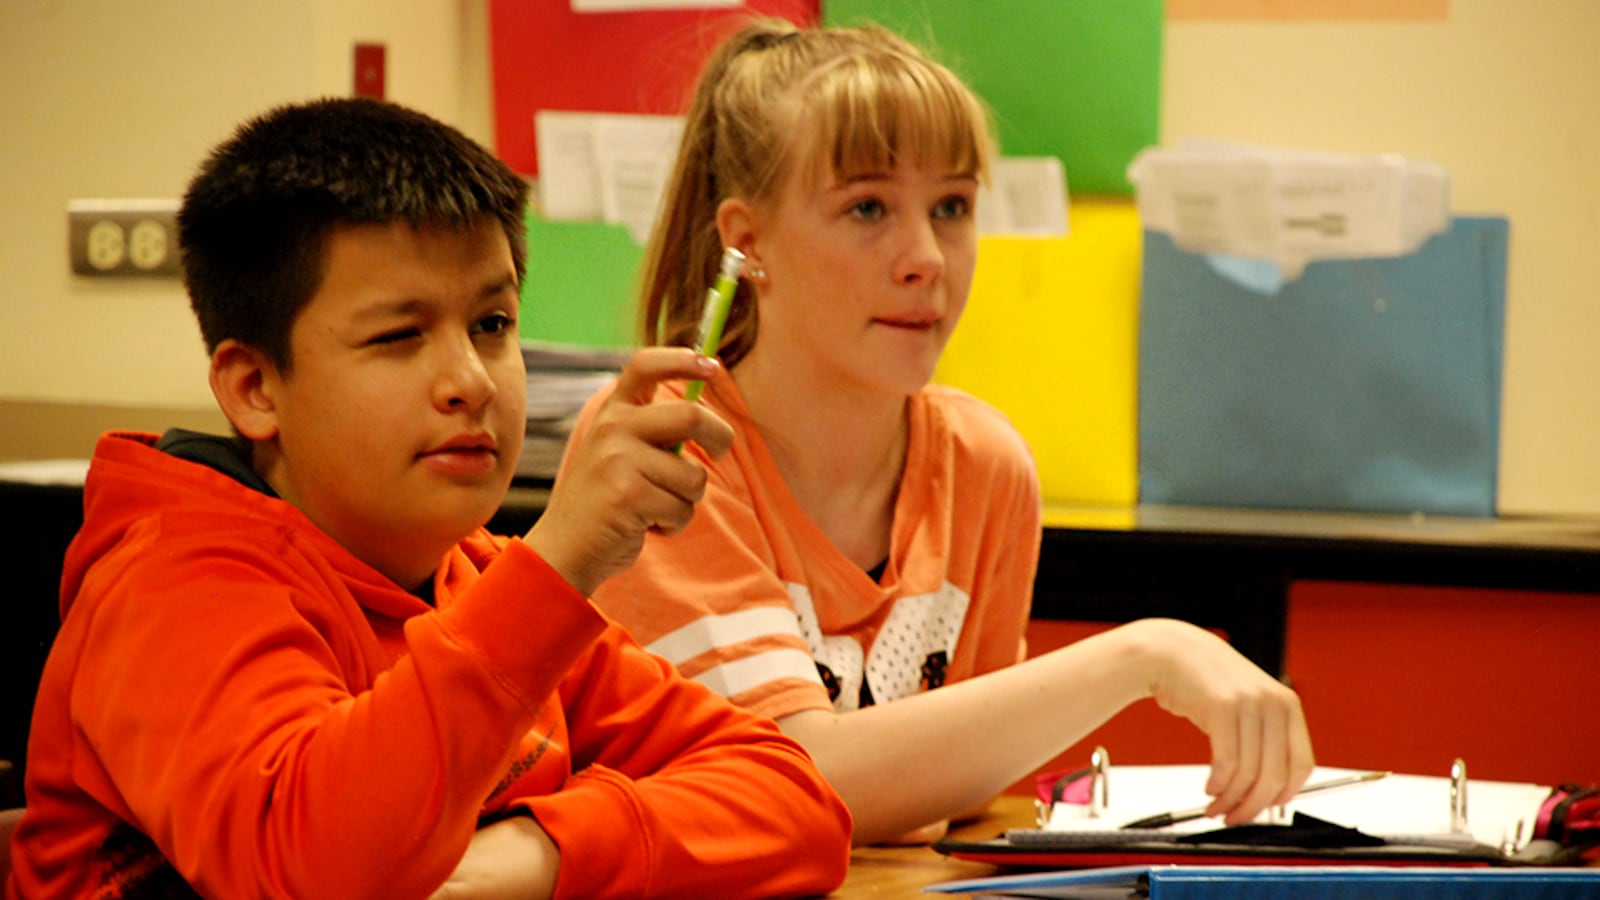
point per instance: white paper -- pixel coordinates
(605, 167)
(1289, 206)
(635, 155)
(1396, 806)
(569, 178)
(1027, 195)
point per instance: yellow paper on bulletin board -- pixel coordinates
(1050, 337)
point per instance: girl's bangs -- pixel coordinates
(871, 114)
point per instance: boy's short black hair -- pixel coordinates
(255, 219)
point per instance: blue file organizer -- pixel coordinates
(1365, 385)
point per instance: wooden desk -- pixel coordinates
(905, 871)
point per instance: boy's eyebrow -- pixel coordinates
(508, 283)
(413, 305)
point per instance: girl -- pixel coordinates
(872, 537)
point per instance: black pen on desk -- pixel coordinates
(1162, 820)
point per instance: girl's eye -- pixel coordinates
(952, 208)
(867, 210)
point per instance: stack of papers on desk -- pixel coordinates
(560, 380)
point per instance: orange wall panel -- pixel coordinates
(1409, 678)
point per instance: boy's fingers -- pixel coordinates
(671, 424)
(692, 422)
(665, 425)
(647, 368)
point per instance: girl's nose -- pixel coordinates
(921, 258)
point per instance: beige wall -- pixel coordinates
(1506, 95)
(120, 99)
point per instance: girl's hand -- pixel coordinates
(1260, 746)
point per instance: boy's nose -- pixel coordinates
(464, 380)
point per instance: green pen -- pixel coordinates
(718, 298)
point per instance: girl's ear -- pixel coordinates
(739, 227)
(243, 380)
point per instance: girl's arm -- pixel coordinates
(923, 758)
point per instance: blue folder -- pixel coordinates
(1365, 385)
(1288, 883)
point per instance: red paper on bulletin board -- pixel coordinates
(545, 56)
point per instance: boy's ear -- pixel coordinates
(242, 379)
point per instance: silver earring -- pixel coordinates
(758, 274)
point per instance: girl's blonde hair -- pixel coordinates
(775, 101)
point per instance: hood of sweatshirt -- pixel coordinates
(135, 494)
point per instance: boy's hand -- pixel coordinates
(512, 859)
(624, 478)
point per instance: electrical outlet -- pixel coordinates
(123, 237)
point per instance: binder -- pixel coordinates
(1398, 820)
(1286, 882)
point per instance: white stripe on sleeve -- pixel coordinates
(737, 676)
(727, 630)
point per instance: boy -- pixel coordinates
(292, 663)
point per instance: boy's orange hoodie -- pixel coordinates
(237, 704)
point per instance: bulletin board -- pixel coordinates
(1075, 79)
(545, 56)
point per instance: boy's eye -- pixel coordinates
(496, 324)
(396, 336)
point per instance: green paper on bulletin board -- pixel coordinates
(1075, 79)
(581, 283)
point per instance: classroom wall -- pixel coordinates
(1505, 96)
(122, 98)
(108, 99)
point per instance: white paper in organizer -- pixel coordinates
(1289, 206)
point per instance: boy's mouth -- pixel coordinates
(468, 444)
